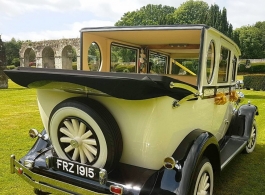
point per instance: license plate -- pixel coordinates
(75, 168)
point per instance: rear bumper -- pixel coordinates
(35, 169)
(44, 183)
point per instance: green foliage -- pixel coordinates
(191, 12)
(10, 67)
(16, 62)
(148, 15)
(249, 39)
(192, 65)
(32, 56)
(256, 82)
(74, 55)
(74, 65)
(261, 27)
(12, 50)
(124, 68)
(254, 69)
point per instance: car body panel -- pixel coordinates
(171, 94)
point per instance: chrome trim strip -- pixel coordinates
(46, 184)
(232, 156)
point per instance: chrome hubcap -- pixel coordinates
(79, 141)
(74, 143)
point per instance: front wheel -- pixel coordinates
(252, 139)
(204, 178)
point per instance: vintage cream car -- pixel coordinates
(152, 110)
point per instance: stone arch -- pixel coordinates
(67, 57)
(29, 57)
(50, 53)
(48, 60)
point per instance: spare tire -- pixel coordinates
(83, 130)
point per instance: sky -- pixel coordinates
(38, 20)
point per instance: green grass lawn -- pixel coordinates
(245, 175)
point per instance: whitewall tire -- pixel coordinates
(204, 178)
(252, 139)
(79, 133)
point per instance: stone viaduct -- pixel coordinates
(56, 54)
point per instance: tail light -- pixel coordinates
(117, 190)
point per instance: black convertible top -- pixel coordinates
(130, 86)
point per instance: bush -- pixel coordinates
(256, 82)
(10, 67)
(74, 65)
(125, 68)
(16, 62)
(192, 65)
(254, 69)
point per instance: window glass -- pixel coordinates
(185, 66)
(210, 62)
(94, 57)
(157, 63)
(223, 65)
(123, 58)
(234, 68)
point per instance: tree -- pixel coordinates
(191, 12)
(261, 27)
(250, 41)
(213, 16)
(12, 50)
(198, 12)
(16, 62)
(148, 15)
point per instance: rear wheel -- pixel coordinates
(204, 178)
(85, 131)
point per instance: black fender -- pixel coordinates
(37, 149)
(248, 112)
(195, 145)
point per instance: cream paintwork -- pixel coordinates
(222, 114)
(151, 129)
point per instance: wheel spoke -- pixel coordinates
(69, 126)
(75, 126)
(91, 149)
(75, 154)
(249, 144)
(88, 154)
(82, 129)
(66, 132)
(68, 148)
(65, 139)
(82, 155)
(90, 142)
(86, 135)
(203, 185)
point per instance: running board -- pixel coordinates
(231, 149)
